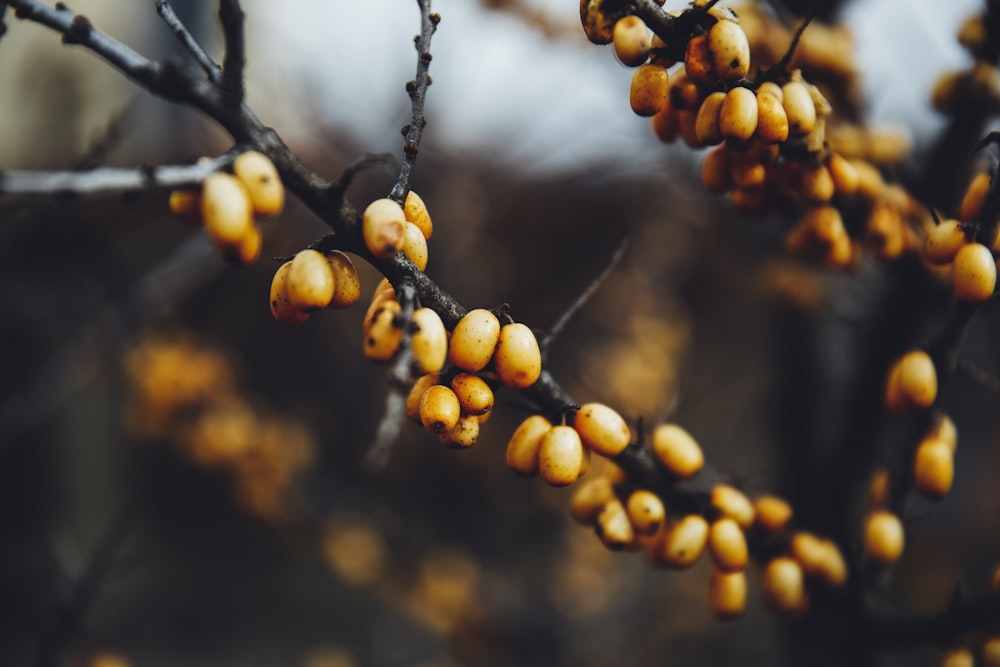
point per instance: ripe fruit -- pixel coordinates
(665, 124)
(974, 275)
(645, 511)
(884, 537)
(649, 89)
(439, 409)
(429, 342)
(738, 114)
(844, 173)
(819, 558)
(912, 382)
(698, 62)
(707, 125)
(944, 241)
(784, 587)
(799, 107)
(383, 227)
(517, 359)
(474, 340)
(590, 498)
(728, 545)
(423, 383)
(346, 282)
(602, 429)
(772, 121)
(310, 281)
(415, 246)
(522, 448)
(934, 467)
(771, 513)
(473, 393)
(258, 174)
(383, 335)
(631, 41)
(715, 170)
(246, 250)
(727, 594)
(684, 542)
(730, 51)
(972, 202)
(597, 24)
(560, 456)
(463, 434)
(281, 308)
(732, 503)
(186, 205)
(677, 450)
(415, 211)
(613, 526)
(225, 208)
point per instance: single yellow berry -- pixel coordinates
(944, 241)
(972, 202)
(884, 537)
(429, 342)
(464, 434)
(423, 383)
(613, 526)
(799, 107)
(730, 51)
(738, 115)
(771, 513)
(281, 308)
(974, 273)
(186, 205)
(784, 587)
(677, 450)
(707, 125)
(602, 429)
(649, 89)
(383, 335)
(346, 282)
(728, 545)
(732, 503)
(259, 175)
(474, 340)
(383, 227)
(728, 594)
(560, 456)
(522, 448)
(934, 468)
(439, 409)
(631, 41)
(415, 246)
(590, 498)
(473, 393)
(684, 542)
(645, 511)
(310, 281)
(517, 358)
(225, 208)
(415, 211)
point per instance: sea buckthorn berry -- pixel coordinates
(186, 205)
(934, 468)
(463, 434)
(522, 448)
(844, 174)
(991, 652)
(687, 124)
(819, 558)
(871, 185)
(730, 51)
(972, 202)
(598, 24)
(816, 184)
(784, 587)
(246, 250)
(474, 340)
(310, 281)
(772, 121)
(379, 299)
(665, 124)
(884, 537)
(684, 542)
(613, 526)
(677, 450)
(884, 230)
(818, 233)
(715, 170)
(649, 90)
(590, 498)
(698, 62)
(727, 594)
(706, 124)
(346, 282)
(423, 383)
(560, 456)
(945, 431)
(631, 41)
(383, 226)
(732, 503)
(878, 487)
(517, 359)
(415, 211)
(912, 382)
(281, 308)
(772, 89)
(415, 246)
(267, 194)
(383, 335)
(728, 545)
(943, 242)
(429, 343)
(685, 94)
(799, 107)
(225, 208)
(958, 657)
(473, 393)
(738, 114)
(771, 513)
(974, 274)
(602, 429)
(439, 409)
(645, 511)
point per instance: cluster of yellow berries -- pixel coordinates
(979, 85)
(227, 205)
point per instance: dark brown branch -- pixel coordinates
(234, 61)
(417, 90)
(361, 165)
(187, 40)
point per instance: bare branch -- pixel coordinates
(417, 89)
(231, 16)
(166, 12)
(110, 179)
(362, 164)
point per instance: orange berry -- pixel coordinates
(602, 429)
(517, 358)
(560, 456)
(522, 448)
(474, 340)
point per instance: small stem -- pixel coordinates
(187, 40)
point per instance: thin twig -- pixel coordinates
(560, 325)
(110, 179)
(234, 61)
(979, 375)
(107, 140)
(361, 165)
(417, 90)
(786, 59)
(187, 40)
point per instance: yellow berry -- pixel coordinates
(590, 498)
(707, 121)
(771, 513)
(649, 89)
(685, 94)
(684, 542)
(698, 62)
(884, 230)
(912, 382)
(423, 383)
(281, 309)
(772, 121)
(473, 393)
(246, 250)
(597, 24)
(463, 434)
(730, 51)
(784, 587)
(799, 107)
(645, 511)
(560, 456)
(613, 526)
(732, 503)
(974, 274)
(383, 335)
(310, 281)
(945, 431)
(728, 545)
(665, 124)
(944, 241)
(439, 409)
(738, 114)
(991, 652)
(844, 173)
(772, 89)
(429, 342)
(346, 282)
(258, 174)
(677, 450)
(631, 41)
(972, 202)
(958, 657)
(186, 205)
(728, 594)
(474, 340)
(602, 429)
(415, 246)
(517, 358)
(522, 448)
(934, 468)
(225, 208)
(884, 537)
(819, 558)
(415, 211)
(878, 487)
(383, 227)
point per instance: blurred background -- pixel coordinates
(182, 478)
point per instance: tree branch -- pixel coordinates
(187, 40)
(234, 61)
